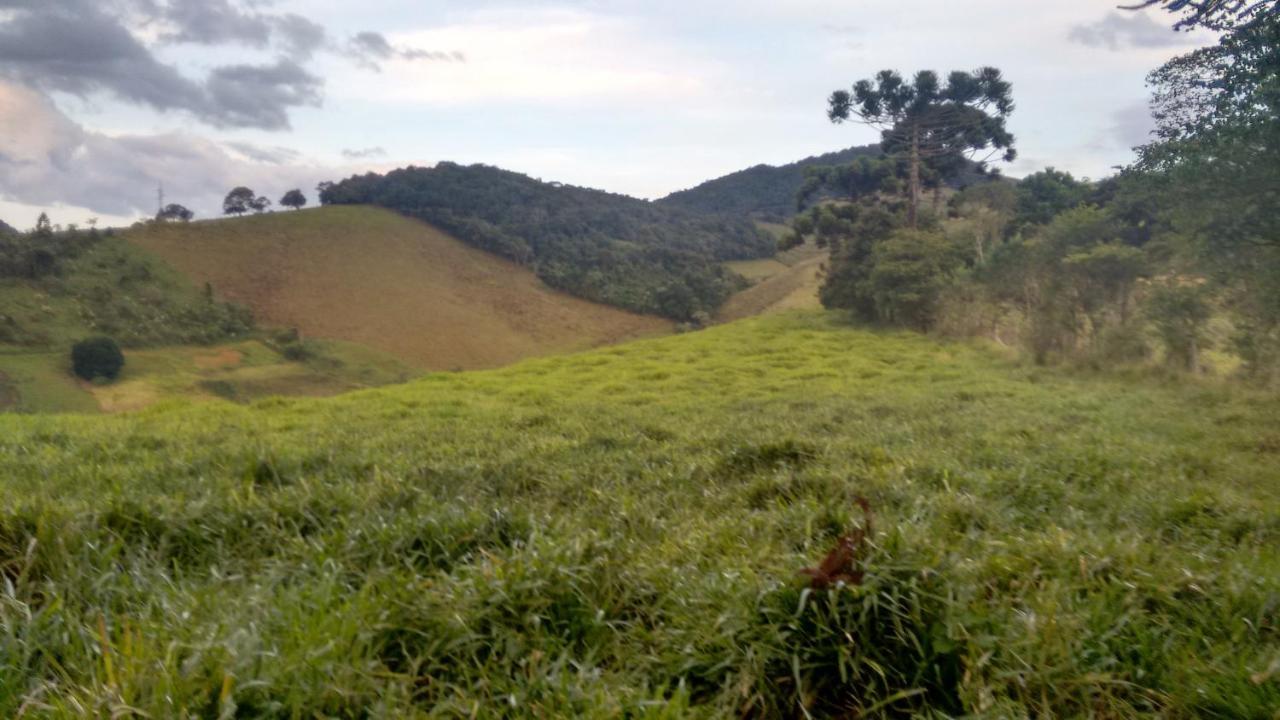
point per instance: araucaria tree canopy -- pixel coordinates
(928, 123)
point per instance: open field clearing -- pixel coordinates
(619, 533)
(373, 277)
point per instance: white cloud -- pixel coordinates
(46, 159)
(555, 55)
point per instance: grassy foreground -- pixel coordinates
(618, 533)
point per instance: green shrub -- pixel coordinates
(98, 357)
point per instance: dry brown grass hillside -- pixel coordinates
(374, 277)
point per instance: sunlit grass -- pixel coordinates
(619, 532)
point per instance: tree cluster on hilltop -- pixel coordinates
(600, 246)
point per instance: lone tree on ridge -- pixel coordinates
(294, 199)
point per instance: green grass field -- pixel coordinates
(42, 382)
(618, 533)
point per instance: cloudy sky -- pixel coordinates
(101, 101)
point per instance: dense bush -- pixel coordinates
(608, 248)
(98, 357)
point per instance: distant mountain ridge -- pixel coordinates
(7, 229)
(603, 247)
(765, 192)
(768, 192)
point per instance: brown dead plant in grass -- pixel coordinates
(843, 563)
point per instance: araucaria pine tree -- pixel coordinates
(931, 124)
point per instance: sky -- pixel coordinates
(102, 102)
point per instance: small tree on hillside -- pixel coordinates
(175, 213)
(260, 204)
(238, 201)
(930, 125)
(294, 199)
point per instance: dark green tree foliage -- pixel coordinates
(765, 192)
(175, 213)
(1214, 14)
(1216, 165)
(1044, 195)
(864, 177)
(7, 229)
(260, 204)
(98, 357)
(608, 248)
(908, 273)
(41, 253)
(44, 227)
(294, 199)
(932, 125)
(239, 201)
(851, 231)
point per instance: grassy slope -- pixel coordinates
(373, 277)
(111, 283)
(620, 530)
(42, 382)
(787, 281)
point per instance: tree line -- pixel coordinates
(238, 202)
(1176, 253)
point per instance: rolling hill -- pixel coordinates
(600, 246)
(765, 192)
(374, 277)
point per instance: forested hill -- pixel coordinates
(7, 229)
(603, 247)
(764, 191)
